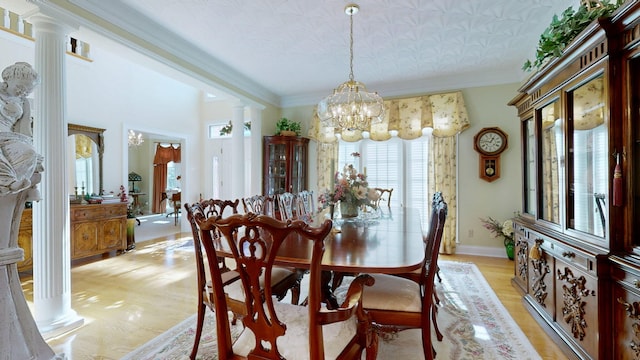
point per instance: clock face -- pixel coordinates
(491, 141)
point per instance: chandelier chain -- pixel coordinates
(351, 47)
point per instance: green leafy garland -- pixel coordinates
(563, 30)
(226, 130)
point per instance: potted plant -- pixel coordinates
(503, 230)
(285, 127)
(564, 29)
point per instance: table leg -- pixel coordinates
(327, 292)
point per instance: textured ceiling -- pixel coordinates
(302, 46)
(299, 49)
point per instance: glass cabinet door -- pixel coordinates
(587, 159)
(297, 168)
(529, 150)
(277, 175)
(551, 161)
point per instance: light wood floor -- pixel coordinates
(129, 299)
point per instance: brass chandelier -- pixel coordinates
(351, 107)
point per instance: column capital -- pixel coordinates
(238, 104)
(44, 23)
(51, 17)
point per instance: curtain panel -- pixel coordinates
(445, 113)
(163, 156)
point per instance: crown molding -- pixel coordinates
(421, 86)
(125, 25)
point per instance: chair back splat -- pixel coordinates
(274, 330)
(305, 208)
(287, 206)
(259, 204)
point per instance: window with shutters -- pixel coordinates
(395, 164)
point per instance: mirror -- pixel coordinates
(86, 149)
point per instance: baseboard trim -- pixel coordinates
(481, 251)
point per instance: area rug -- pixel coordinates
(474, 323)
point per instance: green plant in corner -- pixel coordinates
(564, 29)
(285, 124)
(226, 130)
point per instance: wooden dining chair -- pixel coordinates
(276, 330)
(176, 204)
(282, 279)
(384, 196)
(259, 204)
(397, 303)
(286, 206)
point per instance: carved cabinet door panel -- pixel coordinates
(521, 275)
(626, 319)
(577, 305)
(113, 234)
(541, 279)
(84, 239)
(625, 307)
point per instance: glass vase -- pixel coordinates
(348, 209)
(510, 250)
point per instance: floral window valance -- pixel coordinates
(445, 113)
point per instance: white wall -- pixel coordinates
(487, 107)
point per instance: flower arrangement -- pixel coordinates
(349, 186)
(498, 229)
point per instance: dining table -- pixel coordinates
(388, 242)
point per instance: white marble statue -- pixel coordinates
(20, 168)
(18, 158)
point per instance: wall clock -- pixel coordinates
(490, 142)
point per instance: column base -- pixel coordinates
(60, 327)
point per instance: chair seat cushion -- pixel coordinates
(295, 342)
(235, 290)
(392, 293)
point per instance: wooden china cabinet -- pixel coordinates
(625, 230)
(577, 240)
(285, 164)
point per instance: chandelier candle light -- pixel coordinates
(351, 107)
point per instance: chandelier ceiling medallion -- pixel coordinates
(135, 139)
(351, 107)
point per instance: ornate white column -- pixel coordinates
(51, 244)
(237, 148)
(255, 114)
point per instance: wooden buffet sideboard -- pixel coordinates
(95, 229)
